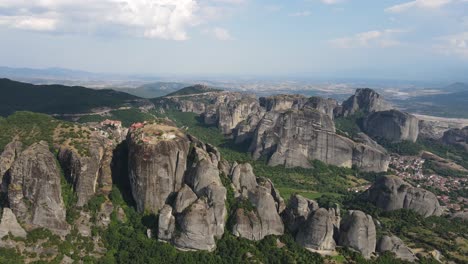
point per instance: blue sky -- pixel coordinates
(396, 39)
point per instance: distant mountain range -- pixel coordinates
(58, 99)
(152, 90)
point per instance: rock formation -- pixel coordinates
(178, 176)
(10, 153)
(392, 125)
(157, 162)
(317, 231)
(263, 219)
(283, 102)
(365, 101)
(396, 246)
(314, 228)
(357, 231)
(456, 137)
(294, 138)
(34, 192)
(392, 193)
(91, 171)
(9, 224)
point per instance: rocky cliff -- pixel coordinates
(34, 192)
(89, 172)
(314, 228)
(157, 161)
(357, 231)
(294, 138)
(392, 125)
(392, 193)
(10, 153)
(264, 218)
(364, 101)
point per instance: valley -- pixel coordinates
(226, 177)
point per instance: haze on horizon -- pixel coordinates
(397, 39)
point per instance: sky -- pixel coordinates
(395, 39)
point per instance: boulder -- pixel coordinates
(243, 178)
(35, 193)
(298, 211)
(357, 231)
(317, 232)
(185, 197)
(266, 210)
(247, 225)
(392, 125)
(166, 223)
(396, 246)
(196, 228)
(392, 193)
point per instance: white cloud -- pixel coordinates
(331, 2)
(381, 38)
(165, 19)
(300, 14)
(418, 4)
(221, 33)
(29, 23)
(456, 44)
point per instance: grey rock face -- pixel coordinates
(10, 153)
(185, 197)
(392, 125)
(89, 172)
(199, 206)
(157, 163)
(245, 130)
(267, 211)
(295, 138)
(456, 137)
(166, 223)
(9, 224)
(366, 101)
(325, 106)
(34, 193)
(392, 193)
(283, 102)
(197, 225)
(247, 225)
(234, 112)
(357, 231)
(298, 211)
(395, 245)
(317, 232)
(243, 178)
(264, 220)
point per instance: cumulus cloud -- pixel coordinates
(419, 4)
(456, 44)
(381, 38)
(165, 19)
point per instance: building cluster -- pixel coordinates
(411, 169)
